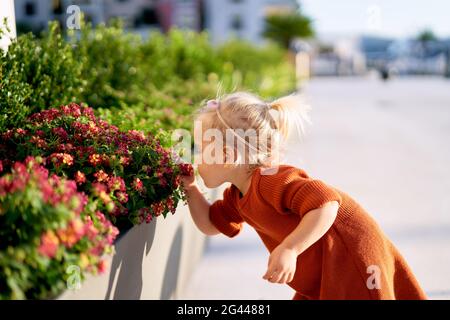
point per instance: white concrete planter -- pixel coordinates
(152, 261)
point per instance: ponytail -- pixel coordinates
(290, 112)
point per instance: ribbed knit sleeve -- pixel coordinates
(293, 191)
(224, 215)
(312, 195)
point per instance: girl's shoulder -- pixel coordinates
(278, 180)
(282, 173)
(292, 188)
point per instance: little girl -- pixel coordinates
(322, 243)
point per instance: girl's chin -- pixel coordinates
(210, 185)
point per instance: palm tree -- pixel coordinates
(283, 27)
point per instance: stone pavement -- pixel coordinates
(387, 145)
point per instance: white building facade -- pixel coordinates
(35, 14)
(7, 11)
(244, 19)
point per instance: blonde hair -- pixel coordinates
(244, 111)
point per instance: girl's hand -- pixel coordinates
(282, 265)
(187, 176)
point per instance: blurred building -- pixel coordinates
(335, 55)
(342, 56)
(242, 19)
(223, 19)
(162, 14)
(406, 56)
(418, 57)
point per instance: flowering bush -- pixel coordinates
(128, 175)
(47, 227)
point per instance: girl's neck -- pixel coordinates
(242, 178)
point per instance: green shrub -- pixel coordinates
(36, 73)
(148, 84)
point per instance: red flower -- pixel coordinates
(101, 176)
(144, 214)
(21, 132)
(124, 160)
(170, 205)
(59, 159)
(80, 177)
(137, 136)
(157, 208)
(122, 196)
(60, 132)
(102, 266)
(116, 183)
(92, 127)
(89, 229)
(186, 169)
(95, 159)
(39, 133)
(138, 185)
(39, 142)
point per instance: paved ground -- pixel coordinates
(387, 145)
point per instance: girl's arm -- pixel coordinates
(283, 259)
(198, 206)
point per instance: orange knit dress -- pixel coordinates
(353, 260)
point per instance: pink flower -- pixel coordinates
(71, 110)
(68, 147)
(61, 158)
(92, 127)
(122, 196)
(102, 266)
(60, 132)
(80, 178)
(39, 133)
(113, 231)
(89, 229)
(39, 142)
(49, 244)
(67, 159)
(72, 234)
(157, 208)
(97, 250)
(170, 205)
(124, 160)
(20, 132)
(186, 169)
(98, 188)
(101, 217)
(116, 183)
(95, 159)
(145, 214)
(136, 135)
(138, 185)
(101, 176)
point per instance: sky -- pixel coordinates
(394, 18)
